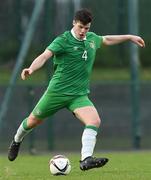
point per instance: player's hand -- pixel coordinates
(25, 73)
(138, 40)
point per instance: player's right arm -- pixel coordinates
(37, 63)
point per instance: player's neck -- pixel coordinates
(74, 35)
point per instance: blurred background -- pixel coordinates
(120, 84)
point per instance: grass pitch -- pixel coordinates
(121, 166)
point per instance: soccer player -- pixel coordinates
(73, 55)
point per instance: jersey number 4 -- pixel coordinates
(84, 55)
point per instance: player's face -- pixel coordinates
(80, 30)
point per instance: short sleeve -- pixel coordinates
(57, 46)
(99, 40)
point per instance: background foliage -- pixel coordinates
(110, 17)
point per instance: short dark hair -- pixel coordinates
(84, 16)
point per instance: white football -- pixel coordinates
(59, 165)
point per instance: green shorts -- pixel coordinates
(51, 102)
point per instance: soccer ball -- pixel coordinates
(59, 165)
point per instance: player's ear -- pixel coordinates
(74, 22)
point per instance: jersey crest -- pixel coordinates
(92, 45)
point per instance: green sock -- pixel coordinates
(22, 131)
(25, 126)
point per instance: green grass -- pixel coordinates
(119, 74)
(100, 74)
(36, 78)
(122, 166)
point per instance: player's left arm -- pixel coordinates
(117, 39)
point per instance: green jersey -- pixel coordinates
(73, 60)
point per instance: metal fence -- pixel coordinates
(113, 102)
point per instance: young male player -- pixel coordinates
(73, 55)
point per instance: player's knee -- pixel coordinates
(33, 121)
(95, 122)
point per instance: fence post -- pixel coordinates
(135, 83)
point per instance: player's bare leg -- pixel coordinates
(26, 126)
(89, 116)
